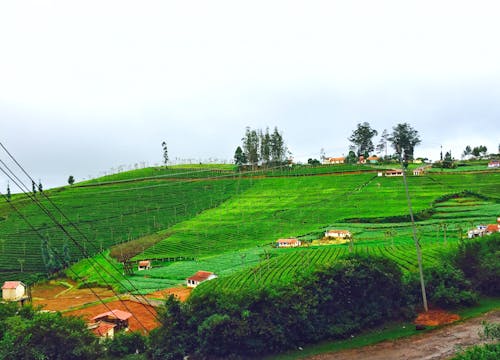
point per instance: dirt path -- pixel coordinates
(437, 344)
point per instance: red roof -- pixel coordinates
(144, 263)
(200, 276)
(11, 284)
(103, 328)
(116, 314)
(339, 231)
(290, 241)
(492, 228)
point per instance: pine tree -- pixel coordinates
(165, 153)
(8, 192)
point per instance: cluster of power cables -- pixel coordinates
(77, 237)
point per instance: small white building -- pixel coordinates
(14, 291)
(292, 242)
(394, 172)
(494, 164)
(144, 265)
(199, 277)
(338, 234)
(334, 160)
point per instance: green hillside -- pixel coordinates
(218, 219)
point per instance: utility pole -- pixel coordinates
(415, 239)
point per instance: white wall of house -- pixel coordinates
(13, 294)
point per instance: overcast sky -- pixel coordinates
(87, 86)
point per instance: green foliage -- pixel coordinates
(334, 301)
(485, 352)
(239, 157)
(362, 138)
(404, 138)
(126, 343)
(478, 259)
(29, 334)
(175, 337)
(71, 180)
(491, 331)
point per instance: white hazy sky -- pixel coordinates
(90, 85)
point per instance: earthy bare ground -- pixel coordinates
(181, 292)
(441, 343)
(56, 297)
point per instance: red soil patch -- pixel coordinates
(58, 297)
(436, 317)
(181, 292)
(143, 313)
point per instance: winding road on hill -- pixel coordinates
(438, 344)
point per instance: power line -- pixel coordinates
(82, 250)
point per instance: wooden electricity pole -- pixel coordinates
(415, 239)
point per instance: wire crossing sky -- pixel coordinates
(90, 86)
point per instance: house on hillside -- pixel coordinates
(334, 160)
(199, 277)
(291, 242)
(492, 228)
(144, 265)
(394, 172)
(494, 164)
(103, 330)
(374, 159)
(14, 291)
(119, 318)
(338, 234)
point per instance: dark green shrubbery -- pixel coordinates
(30, 334)
(446, 287)
(478, 259)
(333, 302)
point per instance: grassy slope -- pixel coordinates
(106, 215)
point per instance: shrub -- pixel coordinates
(446, 286)
(478, 259)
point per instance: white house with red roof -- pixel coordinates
(144, 265)
(199, 277)
(14, 291)
(494, 164)
(291, 242)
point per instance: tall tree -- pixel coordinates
(8, 192)
(71, 180)
(478, 150)
(278, 148)
(265, 147)
(404, 138)
(165, 152)
(33, 187)
(40, 187)
(467, 151)
(382, 144)
(362, 138)
(239, 157)
(251, 146)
